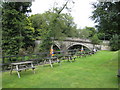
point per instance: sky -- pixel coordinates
(81, 10)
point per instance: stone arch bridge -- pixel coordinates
(70, 42)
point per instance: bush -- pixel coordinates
(115, 42)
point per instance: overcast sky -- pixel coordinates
(81, 10)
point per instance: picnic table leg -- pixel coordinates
(70, 58)
(74, 58)
(25, 67)
(44, 62)
(50, 63)
(59, 61)
(11, 69)
(32, 68)
(18, 74)
(17, 71)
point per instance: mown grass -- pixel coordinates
(96, 71)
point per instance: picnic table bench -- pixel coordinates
(19, 66)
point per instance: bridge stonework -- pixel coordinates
(69, 42)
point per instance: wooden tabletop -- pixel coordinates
(50, 57)
(21, 63)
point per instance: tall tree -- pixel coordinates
(14, 30)
(107, 15)
(52, 25)
(115, 42)
(87, 32)
(64, 24)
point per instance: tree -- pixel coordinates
(64, 25)
(56, 28)
(68, 26)
(95, 40)
(37, 21)
(53, 25)
(114, 42)
(92, 31)
(27, 34)
(87, 32)
(15, 27)
(84, 34)
(101, 36)
(106, 14)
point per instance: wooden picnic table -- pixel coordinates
(51, 60)
(19, 66)
(69, 57)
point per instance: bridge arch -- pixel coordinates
(81, 44)
(56, 45)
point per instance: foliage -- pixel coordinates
(106, 14)
(63, 25)
(95, 40)
(16, 30)
(53, 25)
(84, 34)
(115, 42)
(101, 36)
(68, 26)
(87, 32)
(92, 31)
(27, 33)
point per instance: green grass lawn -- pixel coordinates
(96, 71)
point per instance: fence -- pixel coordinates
(36, 58)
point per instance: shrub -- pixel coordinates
(115, 42)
